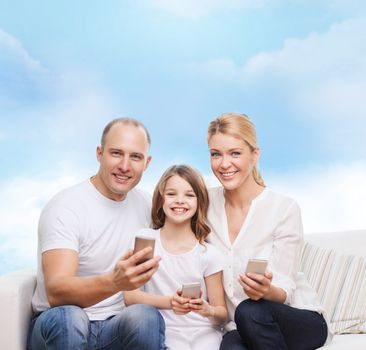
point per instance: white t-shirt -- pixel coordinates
(272, 231)
(174, 270)
(97, 228)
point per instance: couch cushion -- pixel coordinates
(347, 342)
(16, 291)
(340, 281)
(344, 242)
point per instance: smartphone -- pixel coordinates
(257, 266)
(191, 290)
(142, 242)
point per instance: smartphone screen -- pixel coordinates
(191, 290)
(142, 242)
(257, 266)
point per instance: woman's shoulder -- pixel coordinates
(273, 197)
(216, 195)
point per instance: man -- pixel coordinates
(83, 231)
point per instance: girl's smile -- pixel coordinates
(180, 201)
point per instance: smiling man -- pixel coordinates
(84, 263)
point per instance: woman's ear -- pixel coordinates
(256, 155)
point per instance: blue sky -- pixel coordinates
(296, 67)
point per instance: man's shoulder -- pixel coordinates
(70, 195)
(139, 195)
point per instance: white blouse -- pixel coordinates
(272, 231)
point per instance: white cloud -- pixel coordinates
(22, 77)
(202, 8)
(321, 79)
(193, 9)
(55, 107)
(12, 51)
(338, 53)
(331, 198)
(21, 203)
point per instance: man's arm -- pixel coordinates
(63, 287)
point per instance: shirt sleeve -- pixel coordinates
(214, 261)
(59, 228)
(287, 244)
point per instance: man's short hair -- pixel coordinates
(125, 121)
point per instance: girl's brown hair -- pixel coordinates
(241, 127)
(198, 221)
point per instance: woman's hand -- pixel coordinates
(180, 305)
(256, 286)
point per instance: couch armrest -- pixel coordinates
(16, 292)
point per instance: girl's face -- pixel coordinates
(180, 201)
(232, 161)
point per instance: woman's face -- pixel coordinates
(232, 161)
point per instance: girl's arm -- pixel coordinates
(139, 297)
(176, 302)
(215, 308)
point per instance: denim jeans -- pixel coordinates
(136, 327)
(266, 325)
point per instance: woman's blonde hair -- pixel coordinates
(241, 127)
(198, 221)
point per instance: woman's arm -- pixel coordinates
(215, 308)
(139, 297)
(284, 261)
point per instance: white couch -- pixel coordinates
(348, 249)
(16, 290)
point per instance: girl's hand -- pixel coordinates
(256, 286)
(180, 305)
(201, 307)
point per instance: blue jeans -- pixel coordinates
(67, 327)
(266, 325)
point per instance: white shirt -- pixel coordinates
(175, 269)
(97, 228)
(272, 231)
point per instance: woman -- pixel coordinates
(277, 310)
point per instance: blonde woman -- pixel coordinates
(277, 310)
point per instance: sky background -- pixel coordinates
(296, 67)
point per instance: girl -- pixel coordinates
(277, 310)
(179, 209)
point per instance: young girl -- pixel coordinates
(278, 310)
(179, 209)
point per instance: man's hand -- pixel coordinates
(129, 274)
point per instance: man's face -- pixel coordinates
(123, 159)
